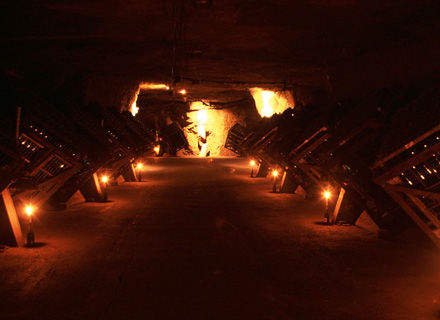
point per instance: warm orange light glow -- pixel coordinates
(202, 119)
(275, 173)
(270, 102)
(327, 194)
(134, 109)
(153, 86)
(267, 109)
(182, 92)
(139, 165)
(252, 163)
(156, 149)
(29, 209)
(209, 126)
(104, 179)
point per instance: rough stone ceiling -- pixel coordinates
(354, 44)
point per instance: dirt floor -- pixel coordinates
(202, 240)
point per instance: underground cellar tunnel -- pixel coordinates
(207, 159)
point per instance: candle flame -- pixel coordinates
(29, 209)
(326, 194)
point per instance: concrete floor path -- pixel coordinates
(199, 239)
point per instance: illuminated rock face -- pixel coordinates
(209, 129)
(134, 109)
(270, 102)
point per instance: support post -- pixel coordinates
(414, 216)
(128, 172)
(92, 190)
(335, 214)
(139, 174)
(350, 208)
(11, 225)
(288, 183)
(263, 170)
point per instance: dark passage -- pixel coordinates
(199, 239)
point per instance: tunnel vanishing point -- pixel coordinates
(219, 159)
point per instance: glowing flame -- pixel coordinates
(270, 102)
(326, 194)
(275, 173)
(252, 163)
(29, 209)
(182, 92)
(104, 179)
(139, 165)
(156, 149)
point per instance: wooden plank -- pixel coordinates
(425, 210)
(43, 143)
(13, 217)
(428, 194)
(263, 141)
(414, 216)
(338, 205)
(97, 183)
(44, 160)
(47, 188)
(310, 171)
(128, 172)
(423, 156)
(27, 137)
(382, 161)
(307, 140)
(312, 147)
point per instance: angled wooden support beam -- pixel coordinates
(266, 138)
(422, 207)
(46, 189)
(382, 161)
(415, 160)
(416, 192)
(349, 207)
(92, 190)
(305, 142)
(128, 172)
(288, 183)
(310, 171)
(312, 147)
(423, 225)
(58, 201)
(11, 232)
(263, 170)
(335, 214)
